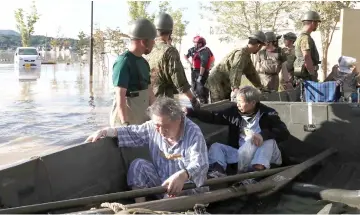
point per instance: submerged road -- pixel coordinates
(49, 109)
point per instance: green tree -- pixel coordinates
(138, 9)
(116, 40)
(82, 44)
(99, 44)
(26, 26)
(241, 18)
(330, 17)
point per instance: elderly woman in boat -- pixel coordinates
(177, 147)
(247, 118)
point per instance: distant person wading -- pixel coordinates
(131, 77)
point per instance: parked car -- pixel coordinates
(27, 57)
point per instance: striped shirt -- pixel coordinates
(189, 153)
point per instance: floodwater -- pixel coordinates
(46, 110)
(49, 109)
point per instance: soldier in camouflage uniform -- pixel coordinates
(289, 50)
(307, 55)
(269, 62)
(225, 77)
(167, 72)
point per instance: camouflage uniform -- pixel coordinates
(227, 74)
(287, 77)
(290, 59)
(269, 65)
(167, 72)
(306, 43)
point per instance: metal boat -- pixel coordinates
(94, 169)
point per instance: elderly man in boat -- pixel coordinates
(177, 147)
(254, 131)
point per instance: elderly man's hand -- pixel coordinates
(105, 132)
(175, 183)
(257, 140)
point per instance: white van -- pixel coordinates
(27, 57)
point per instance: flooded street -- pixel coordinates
(47, 110)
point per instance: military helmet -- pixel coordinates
(290, 36)
(311, 16)
(164, 22)
(142, 29)
(270, 36)
(259, 35)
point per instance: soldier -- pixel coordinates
(307, 56)
(289, 50)
(225, 77)
(269, 62)
(167, 72)
(131, 77)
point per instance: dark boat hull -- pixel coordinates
(93, 169)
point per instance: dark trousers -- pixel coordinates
(201, 92)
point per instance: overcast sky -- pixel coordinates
(72, 16)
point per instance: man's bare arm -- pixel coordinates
(308, 62)
(121, 103)
(152, 97)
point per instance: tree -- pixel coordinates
(26, 27)
(179, 30)
(138, 9)
(117, 40)
(99, 44)
(330, 16)
(241, 18)
(82, 44)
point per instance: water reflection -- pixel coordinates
(51, 108)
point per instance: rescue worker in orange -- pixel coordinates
(191, 51)
(201, 62)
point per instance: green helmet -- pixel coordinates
(290, 36)
(164, 22)
(259, 35)
(142, 29)
(311, 16)
(270, 36)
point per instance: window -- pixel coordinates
(28, 52)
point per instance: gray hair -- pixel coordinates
(250, 94)
(165, 106)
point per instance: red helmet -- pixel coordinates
(196, 39)
(199, 39)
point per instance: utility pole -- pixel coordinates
(91, 41)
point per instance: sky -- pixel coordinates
(71, 16)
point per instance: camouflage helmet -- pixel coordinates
(142, 29)
(290, 36)
(164, 22)
(259, 35)
(311, 16)
(270, 36)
